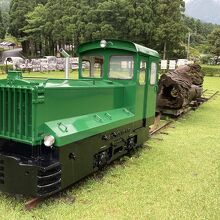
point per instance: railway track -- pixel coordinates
(207, 95)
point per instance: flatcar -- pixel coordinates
(54, 132)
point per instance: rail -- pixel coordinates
(206, 96)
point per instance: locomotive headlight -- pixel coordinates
(103, 44)
(49, 140)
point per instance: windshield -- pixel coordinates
(121, 67)
(92, 66)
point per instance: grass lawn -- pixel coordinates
(52, 74)
(174, 176)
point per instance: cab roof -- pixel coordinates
(117, 44)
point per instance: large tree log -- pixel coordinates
(193, 71)
(178, 88)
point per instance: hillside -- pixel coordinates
(204, 10)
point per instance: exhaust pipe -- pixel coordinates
(67, 56)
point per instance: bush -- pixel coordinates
(3, 68)
(206, 59)
(210, 70)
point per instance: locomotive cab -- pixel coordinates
(54, 132)
(126, 63)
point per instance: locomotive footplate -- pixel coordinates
(36, 177)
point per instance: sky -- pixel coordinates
(205, 10)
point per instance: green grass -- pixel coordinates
(174, 176)
(51, 74)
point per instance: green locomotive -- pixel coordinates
(54, 132)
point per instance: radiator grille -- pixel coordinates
(16, 113)
(49, 180)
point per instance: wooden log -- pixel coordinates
(194, 72)
(178, 88)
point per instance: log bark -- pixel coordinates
(193, 71)
(178, 88)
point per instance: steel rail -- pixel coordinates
(156, 130)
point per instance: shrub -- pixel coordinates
(210, 70)
(206, 59)
(3, 68)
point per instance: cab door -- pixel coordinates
(151, 89)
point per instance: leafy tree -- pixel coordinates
(154, 23)
(170, 27)
(18, 11)
(2, 28)
(214, 40)
(159, 24)
(120, 19)
(106, 19)
(140, 22)
(4, 6)
(199, 29)
(35, 28)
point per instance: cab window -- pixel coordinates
(142, 75)
(121, 67)
(92, 66)
(153, 74)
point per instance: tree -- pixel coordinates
(170, 28)
(214, 40)
(18, 11)
(159, 24)
(4, 5)
(120, 19)
(2, 28)
(139, 21)
(35, 28)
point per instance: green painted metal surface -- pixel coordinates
(77, 128)
(18, 100)
(30, 109)
(118, 44)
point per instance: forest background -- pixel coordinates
(44, 26)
